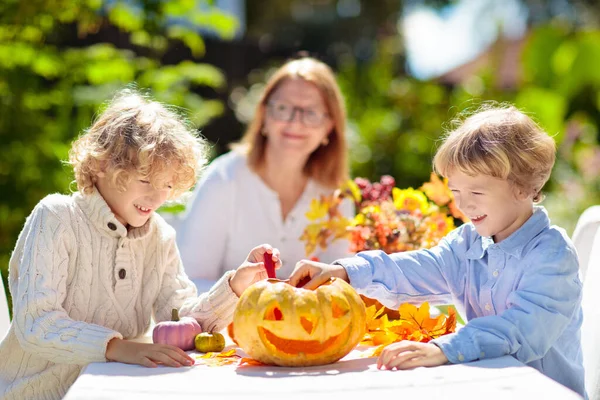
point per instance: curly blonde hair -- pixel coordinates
(327, 165)
(134, 135)
(503, 142)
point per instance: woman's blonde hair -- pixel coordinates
(328, 164)
(134, 135)
(502, 142)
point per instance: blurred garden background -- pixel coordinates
(406, 68)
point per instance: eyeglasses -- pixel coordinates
(286, 112)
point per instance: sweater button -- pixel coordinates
(112, 226)
(122, 273)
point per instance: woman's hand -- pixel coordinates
(408, 355)
(253, 269)
(316, 273)
(146, 354)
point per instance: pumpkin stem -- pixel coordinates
(175, 315)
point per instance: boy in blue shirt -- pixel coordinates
(512, 273)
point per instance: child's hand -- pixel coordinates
(317, 272)
(147, 354)
(407, 355)
(253, 269)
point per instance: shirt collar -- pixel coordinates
(101, 216)
(515, 243)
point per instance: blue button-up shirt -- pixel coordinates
(521, 296)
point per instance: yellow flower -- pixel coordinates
(359, 219)
(410, 200)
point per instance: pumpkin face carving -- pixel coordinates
(276, 323)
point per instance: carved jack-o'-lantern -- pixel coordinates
(276, 323)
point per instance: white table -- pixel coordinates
(354, 376)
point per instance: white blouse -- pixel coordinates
(232, 210)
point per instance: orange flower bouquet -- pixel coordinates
(387, 218)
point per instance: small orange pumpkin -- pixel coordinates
(276, 323)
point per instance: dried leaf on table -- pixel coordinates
(218, 359)
(247, 361)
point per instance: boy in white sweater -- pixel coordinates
(90, 270)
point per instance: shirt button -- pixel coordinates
(495, 273)
(488, 307)
(122, 273)
(283, 239)
(112, 226)
(461, 357)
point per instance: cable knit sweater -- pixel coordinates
(79, 279)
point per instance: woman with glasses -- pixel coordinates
(292, 152)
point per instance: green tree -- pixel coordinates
(60, 59)
(396, 121)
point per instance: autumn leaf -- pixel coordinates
(456, 213)
(247, 361)
(378, 350)
(351, 188)
(437, 190)
(310, 236)
(318, 209)
(409, 312)
(450, 325)
(212, 359)
(338, 226)
(413, 323)
(372, 313)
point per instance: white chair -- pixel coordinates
(583, 236)
(4, 316)
(586, 238)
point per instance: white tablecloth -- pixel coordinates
(354, 376)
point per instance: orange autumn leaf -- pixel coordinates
(414, 324)
(377, 338)
(437, 190)
(372, 314)
(378, 350)
(418, 336)
(450, 325)
(456, 213)
(401, 327)
(418, 315)
(247, 361)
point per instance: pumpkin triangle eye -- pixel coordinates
(338, 309)
(307, 324)
(274, 314)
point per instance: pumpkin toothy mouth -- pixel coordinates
(294, 347)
